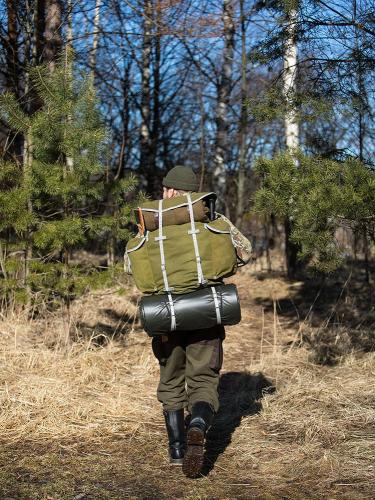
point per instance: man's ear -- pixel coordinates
(170, 193)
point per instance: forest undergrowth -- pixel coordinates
(80, 420)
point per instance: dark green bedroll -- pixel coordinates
(203, 308)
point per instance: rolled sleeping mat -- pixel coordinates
(203, 308)
(177, 216)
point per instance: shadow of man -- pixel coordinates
(239, 395)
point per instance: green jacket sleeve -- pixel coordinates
(242, 245)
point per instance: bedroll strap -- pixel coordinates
(173, 313)
(217, 305)
(194, 233)
(161, 239)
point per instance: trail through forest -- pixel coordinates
(83, 422)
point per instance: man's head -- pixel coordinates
(179, 180)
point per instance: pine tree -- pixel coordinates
(317, 195)
(53, 203)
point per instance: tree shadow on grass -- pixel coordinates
(118, 327)
(333, 315)
(239, 396)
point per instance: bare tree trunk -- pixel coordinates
(35, 101)
(291, 251)
(243, 123)
(361, 88)
(366, 254)
(12, 48)
(355, 245)
(53, 32)
(28, 255)
(125, 124)
(155, 129)
(267, 238)
(12, 72)
(111, 251)
(67, 167)
(145, 146)
(202, 141)
(40, 26)
(28, 153)
(224, 89)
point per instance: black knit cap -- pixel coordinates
(181, 177)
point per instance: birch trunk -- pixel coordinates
(95, 39)
(224, 89)
(362, 99)
(289, 81)
(291, 124)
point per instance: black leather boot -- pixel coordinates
(202, 415)
(174, 421)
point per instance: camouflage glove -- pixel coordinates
(242, 245)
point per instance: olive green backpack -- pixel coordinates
(180, 258)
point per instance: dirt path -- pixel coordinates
(85, 424)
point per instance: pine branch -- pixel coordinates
(12, 113)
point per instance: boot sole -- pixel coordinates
(193, 459)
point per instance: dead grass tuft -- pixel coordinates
(81, 420)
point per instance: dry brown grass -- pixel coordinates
(82, 421)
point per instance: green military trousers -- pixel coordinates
(190, 363)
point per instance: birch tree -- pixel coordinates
(95, 39)
(290, 119)
(289, 80)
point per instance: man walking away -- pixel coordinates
(190, 361)
(190, 364)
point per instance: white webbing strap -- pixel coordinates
(173, 313)
(194, 233)
(217, 305)
(160, 239)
